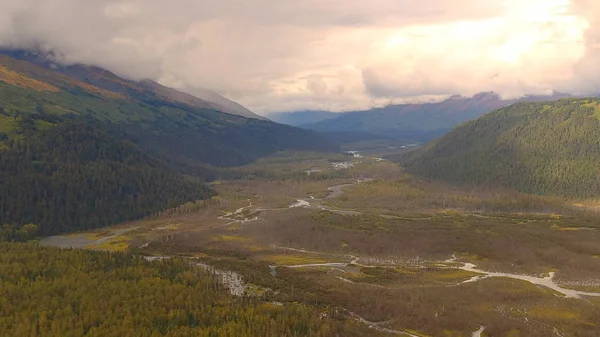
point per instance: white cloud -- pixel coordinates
(587, 70)
(274, 55)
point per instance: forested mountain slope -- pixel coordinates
(420, 121)
(548, 148)
(75, 156)
(66, 176)
(178, 131)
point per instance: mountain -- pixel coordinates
(550, 148)
(420, 122)
(102, 78)
(76, 155)
(298, 118)
(224, 104)
(183, 133)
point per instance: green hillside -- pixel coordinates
(550, 148)
(75, 156)
(66, 176)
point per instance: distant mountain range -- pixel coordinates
(418, 122)
(550, 148)
(81, 147)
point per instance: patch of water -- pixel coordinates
(355, 154)
(342, 165)
(300, 203)
(155, 258)
(478, 332)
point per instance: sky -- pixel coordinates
(337, 55)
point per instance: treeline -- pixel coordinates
(542, 148)
(18, 233)
(54, 292)
(73, 177)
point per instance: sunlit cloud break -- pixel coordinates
(273, 55)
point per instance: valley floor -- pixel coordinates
(393, 252)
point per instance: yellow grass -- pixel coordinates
(170, 227)
(19, 80)
(117, 245)
(416, 333)
(102, 92)
(453, 274)
(230, 238)
(554, 314)
(571, 229)
(292, 259)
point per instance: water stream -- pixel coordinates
(478, 332)
(547, 281)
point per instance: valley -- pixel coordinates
(396, 254)
(300, 168)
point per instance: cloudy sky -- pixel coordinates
(284, 55)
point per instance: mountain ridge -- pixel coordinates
(105, 79)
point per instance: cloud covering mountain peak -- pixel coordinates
(312, 54)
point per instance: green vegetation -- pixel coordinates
(18, 233)
(541, 148)
(75, 177)
(75, 157)
(410, 194)
(390, 256)
(53, 292)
